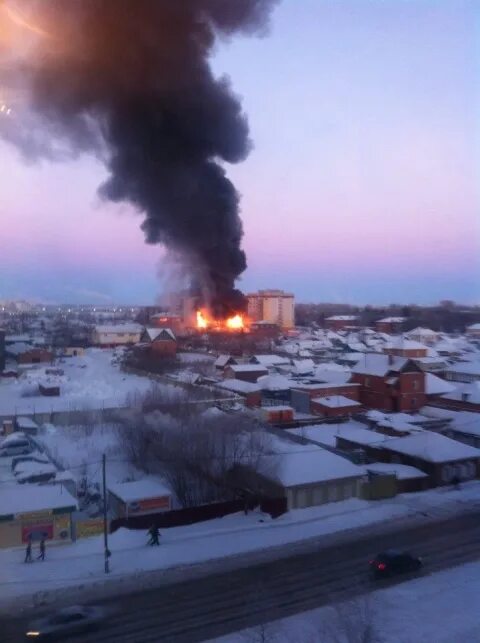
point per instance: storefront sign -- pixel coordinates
(86, 528)
(149, 504)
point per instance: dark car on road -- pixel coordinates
(68, 621)
(392, 562)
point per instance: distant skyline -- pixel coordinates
(362, 186)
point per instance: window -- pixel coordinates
(413, 402)
(415, 385)
(367, 381)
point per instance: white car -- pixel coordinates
(68, 621)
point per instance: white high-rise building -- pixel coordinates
(274, 306)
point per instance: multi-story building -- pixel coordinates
(389, 383)
(273, 306)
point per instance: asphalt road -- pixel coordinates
(200, 609)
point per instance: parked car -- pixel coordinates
(12, 446)
(392, 562)
(68, 621)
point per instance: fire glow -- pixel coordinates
(235, 323)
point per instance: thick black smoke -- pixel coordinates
(131, 81)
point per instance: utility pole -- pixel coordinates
(105, 520)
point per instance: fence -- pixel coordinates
(190, 515)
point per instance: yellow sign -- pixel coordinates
(86, 528)
(34, 515)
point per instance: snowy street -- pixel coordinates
(216, 602)
(80, 564)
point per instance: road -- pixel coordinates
(200, 609)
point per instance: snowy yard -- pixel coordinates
(441, 608)
(92, 381)
(81, 564)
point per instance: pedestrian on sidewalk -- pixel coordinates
(154, 536)
(41, 555)
(28, 550)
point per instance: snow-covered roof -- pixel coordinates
(153, 333)
(391, 320)
(420, 330)
(248, 368)
(335, 401)
(379, 365)
(303, 365)
(139, 490)
(405, 344)
(222, 360)
(436, 386)
(402, 471)
(473, 327)
(432, 447)
(332, 376)
(342, 318)
(18, 348)
(277, 407)
(119, 329)
(239, 386)
(26, 423)
(274, 383)
(466, 393)
(269, 360)
(16, 499)
(469, 368)
(314, 465)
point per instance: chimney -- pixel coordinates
(390, 359)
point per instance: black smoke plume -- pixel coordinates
(131, 81)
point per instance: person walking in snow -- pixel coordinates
(41, 555)
(154, 536)
(28, 551)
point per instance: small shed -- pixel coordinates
(35, 512)
(141, 497)
(26, 425)
(277, 414)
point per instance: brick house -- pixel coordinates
(341, 322)
(389, 383)
(333, 406)
(305, 397)
(25, 354)
(390, 325)
(400, 347)
(245, 372)
(161, 341)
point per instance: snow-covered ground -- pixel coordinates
(91, 381)
(441, 608)
(81, 564)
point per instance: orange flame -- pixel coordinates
(204, 321)
(235, 323)
(201, 320)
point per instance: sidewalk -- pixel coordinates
(81, 565)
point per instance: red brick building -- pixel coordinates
(306, 398)
(334, 406)
(161, 341)
(35, 356)
(389, 383)
(390, 325)
(341, 322)
(400, 347)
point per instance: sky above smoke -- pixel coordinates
(362, 184)
(131, 82)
